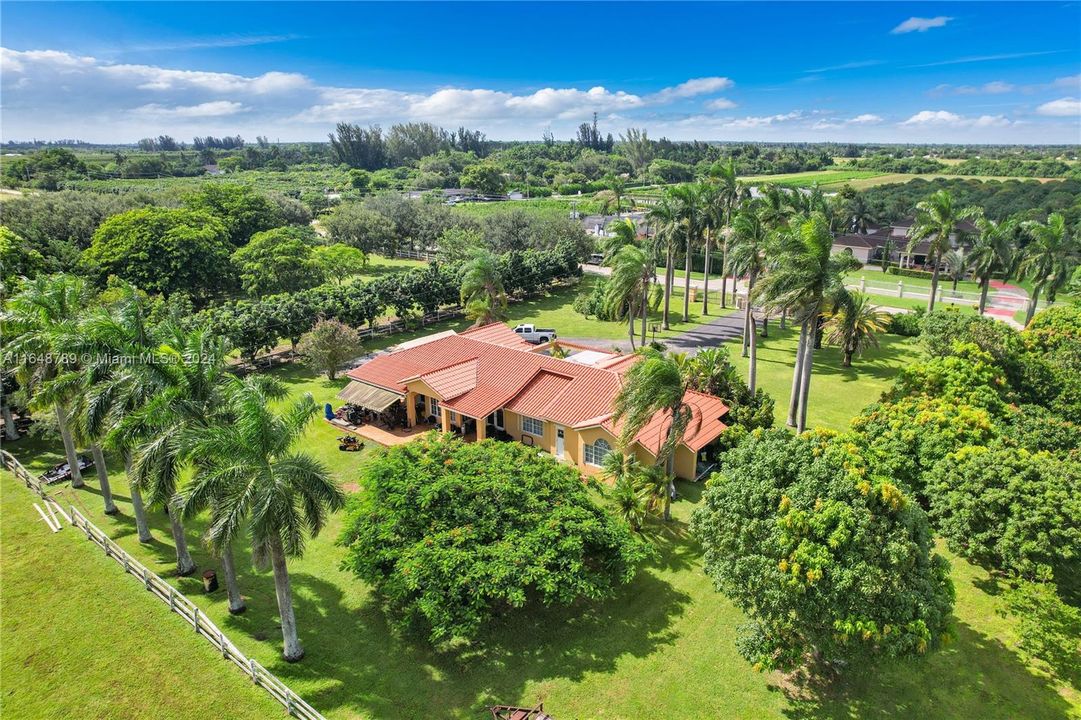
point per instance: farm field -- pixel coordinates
(662, 648)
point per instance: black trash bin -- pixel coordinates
(210, 581)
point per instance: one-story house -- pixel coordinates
(488, 381)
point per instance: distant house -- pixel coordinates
(213, 169)
(488, 382)
(869, 247)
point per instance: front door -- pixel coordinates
(559, 443)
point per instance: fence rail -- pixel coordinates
(177, 602)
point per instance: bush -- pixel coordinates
(1010, 509)
(1054, 327)
(453, 534)
(1037, 429)
(907, 272)
(908, 324)
(826, 559)
(967, 377)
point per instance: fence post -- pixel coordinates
(900, 288)
(251, 666)
(863, 284)
(221, 644)
(146, 578)
(195, 620)
(172, 599)
(289, 701)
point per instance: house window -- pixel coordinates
(595, 453)
(532, 426)
(435, 407)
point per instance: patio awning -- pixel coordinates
(369, 396)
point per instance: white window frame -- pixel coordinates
(540, 424)
(589, 453)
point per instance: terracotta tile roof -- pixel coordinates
(619, 364)
(453, 380)
(533, 400)
(476, 377)
(704, 427)
(497, 334)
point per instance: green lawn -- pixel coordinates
(837, 393)
(662, 648)
(555, 310)
(82, 640)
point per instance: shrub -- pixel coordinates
(1009, 509)
(454, 534)
(826, 559)
(967, 377)
(1037, 429)
(908, 272)
(908, 324)
(1054, 327)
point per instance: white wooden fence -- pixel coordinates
(177, 602)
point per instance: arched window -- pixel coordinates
(595, 453)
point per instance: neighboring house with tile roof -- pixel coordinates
(489, 378)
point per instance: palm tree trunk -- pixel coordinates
(1032, 303)
(103, 479)
(292, 651)
(724, 272)
(137, 507)
(705, 282)
(752, 365)
(630, 323)
(669, 259)
(687, 284)
(184, 564)
(934, 287)
(232, 587)
(797, 374)
(805, 384)
(10, 433)
(985, 283)
(765, 324)
(645, 312)
(748, 318)
(69, 446)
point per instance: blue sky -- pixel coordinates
(876, 72)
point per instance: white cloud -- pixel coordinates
(720, 104)
(692, 88)
(995, 87)
(918, 24)
(836, 124)
(1070, 81)
(215, 108)
(944, 118)
(1063, 107)
(846, 66)
(757, 121)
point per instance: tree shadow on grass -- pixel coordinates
(976, 676)
(356, 663)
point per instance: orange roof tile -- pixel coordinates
(453, 380)
(476, 377)
(497, 334)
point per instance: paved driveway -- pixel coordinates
(710, 334)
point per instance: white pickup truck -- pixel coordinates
(533, 334)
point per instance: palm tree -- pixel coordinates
(731, 193)
(620, 233)
(633, 270)
(654, 385)
(191, 398)
(37, 321)
(775, 207)
(1048, 260)
(664, 218)
(749, 241)
(113, 391)
(956, 267)
(625, 472)
(481, 312)
(481, 280)
(248, 472)
(690, 215)
(991, 252)
(938, 221)
(805, 280)
(854, 325)
(859, 214)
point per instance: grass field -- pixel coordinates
(82, 640)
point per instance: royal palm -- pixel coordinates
(250, 476)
